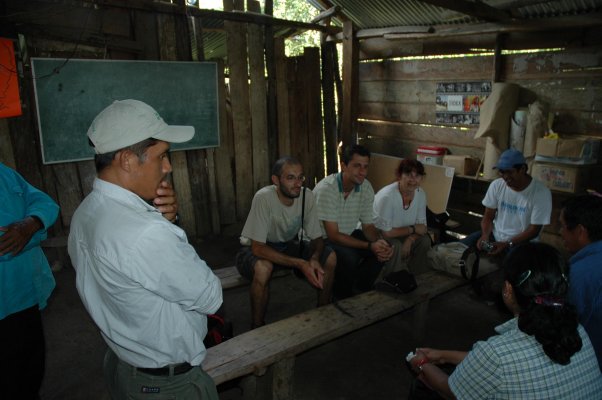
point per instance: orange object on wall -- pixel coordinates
(10, 103)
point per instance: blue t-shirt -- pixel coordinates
(585, 291)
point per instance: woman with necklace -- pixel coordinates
(400, 210)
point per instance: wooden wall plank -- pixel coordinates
(199, 190)
(284, 144)
(315, 131)
(7, 156)
(241, 117)
(405, 138)
(224, 154)
(258, 98)
(68, 190)
(329, 63)
(350, 84)
(181, 179)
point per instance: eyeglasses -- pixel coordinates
(290, 178)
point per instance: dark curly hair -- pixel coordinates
(408, 165)
(536, 272)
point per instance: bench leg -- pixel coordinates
(282, 379)
(420, 313)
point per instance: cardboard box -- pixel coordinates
(562, 177)
(430, 154)
(568, 151)
(463, 165)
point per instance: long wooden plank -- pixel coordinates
(315, 132)
(168, 51)
(284, 140)
(350, 84)
(258, 97)
(241, 115)
(224, 155)
(261, 347)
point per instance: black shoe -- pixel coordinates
(398, 282)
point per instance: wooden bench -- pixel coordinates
(251, 353)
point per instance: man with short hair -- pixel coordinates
(143, 284)
(345, 201)
(278, 214)
(581, 231)
(516, 206)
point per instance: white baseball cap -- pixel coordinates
(127, 122)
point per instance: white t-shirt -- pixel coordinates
(270, 220)
(389, 211)
(517, 210)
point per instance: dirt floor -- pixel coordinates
(366, 364)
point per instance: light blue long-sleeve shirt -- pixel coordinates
(25, 279)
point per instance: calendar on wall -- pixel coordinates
(460, 102)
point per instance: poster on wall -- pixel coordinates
(10, 103)
(460, 102)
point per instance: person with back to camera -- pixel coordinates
(542, 353)
(140, 280)
(26, 283)
(400, 209)
(581, 231)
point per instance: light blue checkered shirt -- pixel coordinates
(512, 365)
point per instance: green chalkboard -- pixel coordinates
(70, 94)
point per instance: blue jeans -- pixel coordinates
(473, 238)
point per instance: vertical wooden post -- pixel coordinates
(350, 84)
(258, 93)
(497, 57)
(224, 155)
(329, 63)
(241, 115)
(272, 101)
(283, 374)
(315, 131)
(284, 140)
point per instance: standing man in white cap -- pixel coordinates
(516, 206)
(139, 278)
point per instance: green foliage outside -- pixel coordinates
(297, 10)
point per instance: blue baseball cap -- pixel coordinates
(509, 159)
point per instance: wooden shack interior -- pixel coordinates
(398, 59)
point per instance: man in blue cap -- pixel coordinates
(516, 207)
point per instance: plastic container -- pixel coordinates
(431, 154)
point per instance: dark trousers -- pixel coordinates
(22, 352)
(357, 269)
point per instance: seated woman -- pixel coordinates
(400, 210)
(542, 353)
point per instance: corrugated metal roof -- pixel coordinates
(392, 13)
(387, 13)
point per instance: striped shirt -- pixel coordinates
(512, 365)
(347, 213)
